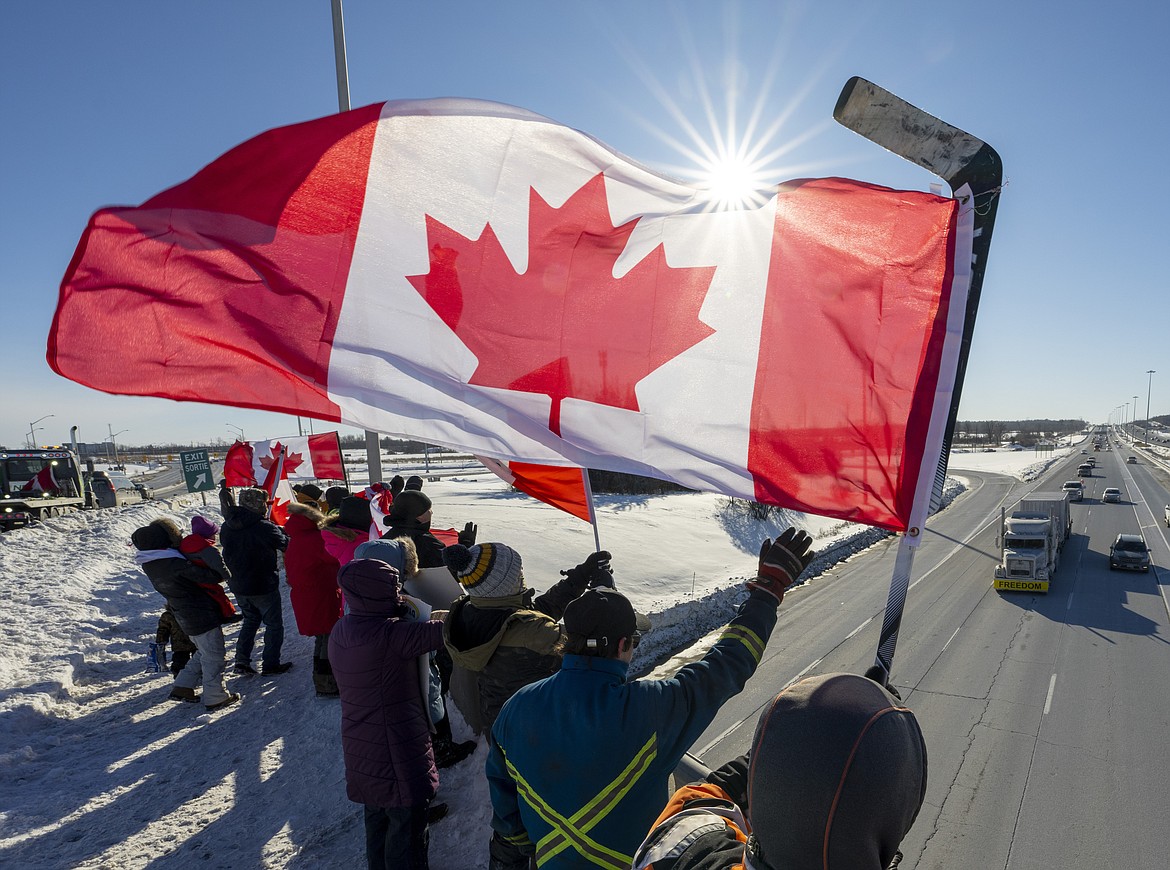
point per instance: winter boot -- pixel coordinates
(323, 680)
(448, 753)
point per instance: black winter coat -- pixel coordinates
(177, 580)
(250, 544)
(430, 549)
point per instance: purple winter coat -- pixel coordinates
(385, 731)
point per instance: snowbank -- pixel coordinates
(99, 769)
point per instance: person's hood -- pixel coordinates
(143, 556)
(371, 588)
(837, 776)
(475, 628)
(343, 532)
(302, 518)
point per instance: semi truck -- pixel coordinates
(38, 483)
(1031, 540)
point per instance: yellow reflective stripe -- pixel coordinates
(751, 640)
(572, 832)
(590, 815)
(594, 852)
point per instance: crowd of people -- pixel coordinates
(580, 755)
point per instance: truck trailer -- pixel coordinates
(1031, 540)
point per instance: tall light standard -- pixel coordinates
(238, 429)
(1133, 420)
(113, 443)
(1149, 387)
(32, 433)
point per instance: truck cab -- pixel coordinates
(38, 483)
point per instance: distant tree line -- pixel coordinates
(1026, 433)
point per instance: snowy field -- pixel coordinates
(99, 770)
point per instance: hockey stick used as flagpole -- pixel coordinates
(592, 512)
(974, 172)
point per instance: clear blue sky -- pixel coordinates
(109, 103)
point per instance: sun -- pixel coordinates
(732, 182)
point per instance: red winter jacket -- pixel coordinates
(311, 573)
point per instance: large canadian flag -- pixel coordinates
(481, 277)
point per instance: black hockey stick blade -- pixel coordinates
(952, 154)
(959, 159)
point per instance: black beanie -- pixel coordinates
(837, 776)
(152, 537)
(354, 513)
(408, 505)
(335, 495)
(414, 482)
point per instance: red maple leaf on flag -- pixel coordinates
(279, 512)
(291, 460)
(566, 327)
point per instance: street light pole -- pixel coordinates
(113, 443)
(32, 433)
(238, 429)
(1133, 422)
(373, 442)
(1149, 387)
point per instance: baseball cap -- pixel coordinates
(604, 615)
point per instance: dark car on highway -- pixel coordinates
(1129, 552)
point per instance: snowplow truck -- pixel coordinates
(38, 483)
(1031, 540)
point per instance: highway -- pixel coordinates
(1045, 715)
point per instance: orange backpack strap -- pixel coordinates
(692, 812)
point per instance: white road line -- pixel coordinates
(1048, 700)
(948, 643)
(859, 628)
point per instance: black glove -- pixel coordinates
(733, 779)
(878, 675)
(781, 562)
(467, 536)
(593, 572)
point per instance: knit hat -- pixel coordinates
(414, 482)
(397, 484)
(203, 527)
(255, 500)
(603, 616)
(354, 513)
(152, 537)
(837, 776)
(486, 570)
(334, 496)
(408, 505)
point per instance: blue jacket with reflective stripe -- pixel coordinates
(578, 763)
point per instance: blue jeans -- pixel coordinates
(256, 609)
(397, 839)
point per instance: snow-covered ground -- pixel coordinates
(99, 770)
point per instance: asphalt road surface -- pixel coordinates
(1045, 716)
